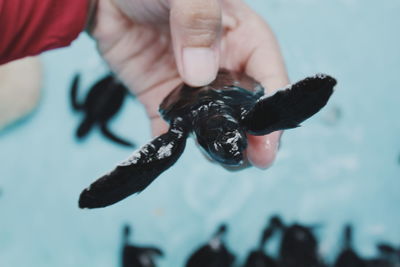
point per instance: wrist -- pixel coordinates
(91, 17)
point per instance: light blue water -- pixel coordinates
(328, 173)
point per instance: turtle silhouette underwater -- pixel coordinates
(348, 256)
(258, 257)
(214, 253)
(102, 103)
(219, 114)
(299, 247)
(389, 256)
(138, 256)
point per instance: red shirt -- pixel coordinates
(29, 27)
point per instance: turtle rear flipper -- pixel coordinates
(84, 128)
(107, 133)
(288, 108)
(153, 251)
(74, 93)
(137, 172)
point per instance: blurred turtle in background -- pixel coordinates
(299, 247)
(214, 253)
(258, 257)
(102, 103)
(388, 256)
(137, 256)
(348, 256)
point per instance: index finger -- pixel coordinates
(266, 65)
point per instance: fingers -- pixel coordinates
(195, 30)
(265, 64)
(158, 126)
(261, 150)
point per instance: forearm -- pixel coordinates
(29, 27)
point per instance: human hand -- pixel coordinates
(153, 46)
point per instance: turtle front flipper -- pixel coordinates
(107, 133)
(288, 108)
(137, 172)
(153, 251)
(74, 93)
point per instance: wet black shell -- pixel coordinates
(235, 90)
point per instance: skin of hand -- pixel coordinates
(154, 45)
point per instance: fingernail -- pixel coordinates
(199, 65)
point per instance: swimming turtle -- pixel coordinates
(138, 256)
(389, 256)
(348, 257)
(258, 257)
(214, 253)
(220, 115)
(299, 247)
(104, 100)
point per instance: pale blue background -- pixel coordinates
(326, 172)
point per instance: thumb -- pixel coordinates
(195, 30)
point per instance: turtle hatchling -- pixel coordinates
(214, 253)
(219, 115)
(104, 100)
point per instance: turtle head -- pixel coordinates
(222, 138)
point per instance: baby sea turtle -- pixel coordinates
(138, 256)
(214, 253)
(299, 247)
(220, 115)
(104, 100)
(389, 256)
(258, 257)
(348, 256)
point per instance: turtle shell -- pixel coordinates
(233, 89)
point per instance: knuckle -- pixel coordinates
(201, 22)
(202, 17)
(200, 38)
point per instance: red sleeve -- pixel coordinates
(29, 27)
